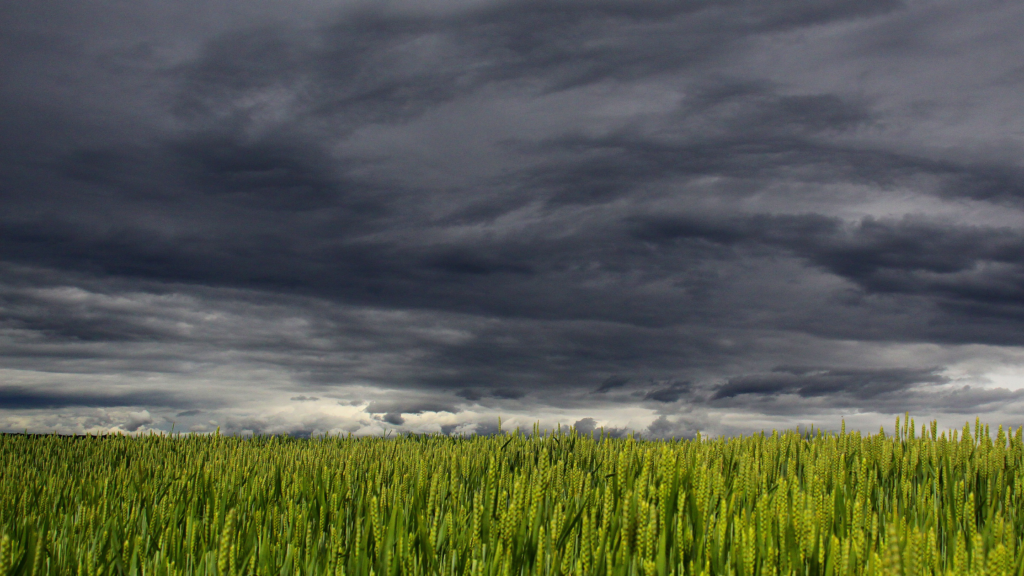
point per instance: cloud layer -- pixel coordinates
(308, 218)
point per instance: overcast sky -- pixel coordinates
(314, 217)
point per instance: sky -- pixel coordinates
(307, 217)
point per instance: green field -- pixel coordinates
(910, 502)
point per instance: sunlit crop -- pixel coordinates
(912, 502)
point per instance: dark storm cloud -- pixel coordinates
(469, 394)
(585, 425)
(508, 394)
(747, 131)
(268, 174)
(809, 382)
(968, 400)
(671, 393)
(959, 264)
(394, 418)
(379, 66)
(611, 383)
(885, 391)
(768, 138)
(21, 398)
(588, 426)
(238, 176)
(503, 360)
(508, 206)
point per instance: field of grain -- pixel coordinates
(910, 501)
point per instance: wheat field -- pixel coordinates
(912, 502)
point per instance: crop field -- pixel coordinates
(910, 501)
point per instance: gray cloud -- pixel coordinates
(399, 406)
(809, 382)
(670, 393)
(508, 394)
(585, 425)
(138, 420)
(469, 394)
(486, 428)
(434, 215)
(393, 418)
(22, 398)
(611, 383)
(686, 425)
